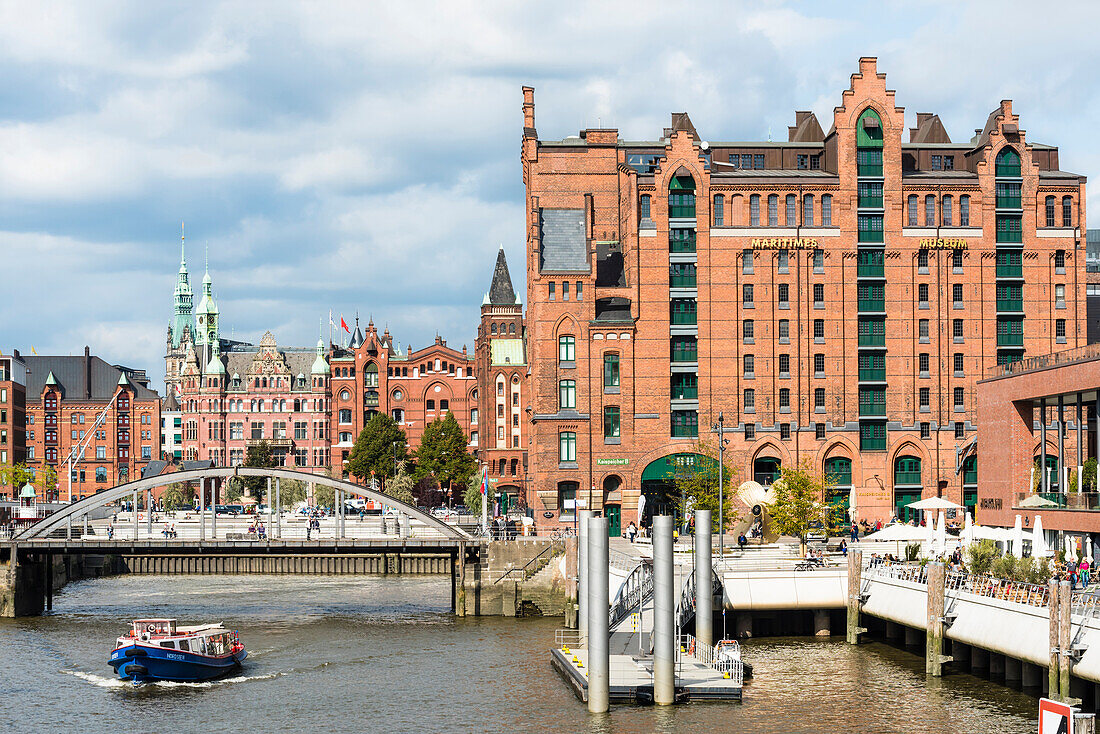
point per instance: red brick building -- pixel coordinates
(1049, 400)
(373, 375)
(13, 412)
(106, 409)
(499, 429)
(835, 296)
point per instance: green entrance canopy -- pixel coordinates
(664, 469)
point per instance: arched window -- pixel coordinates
(839, 470)
(911, 218)
(1050, 211)
(826, 210)
(930, 211)
(773, 210)
(1008, 163)
(370, 375)
(754, 210)
(907, 471)
(511, 328)
(945, 212)
(493, 329)
(964, 211)
(792, 210)
(681, 197)
(345, 415)
(869, 144)
(1067, 211)
(808, 210)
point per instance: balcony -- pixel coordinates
(871, 305)
(872, 374)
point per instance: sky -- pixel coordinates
(363, 157)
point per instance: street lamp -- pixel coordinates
(720, 429)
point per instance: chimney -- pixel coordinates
(529, 112)
(87, 373)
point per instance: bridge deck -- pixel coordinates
(245, 547)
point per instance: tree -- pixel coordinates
(15, 476)
(258, 456)
(291, 492)
(46, 479)
(443, 453)
(472, 496)
(427, 493)
(697, 484)
(234, 489)
(1088, 474)
(324, 496)
(799, 501)
(176, 496)
(401, 486)
(374, 448)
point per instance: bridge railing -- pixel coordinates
(708, 655)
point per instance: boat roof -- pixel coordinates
(201, 627)
(154, 619)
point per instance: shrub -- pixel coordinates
(1005, 567)
(1024, 570)
(980, 556)
(912, 551)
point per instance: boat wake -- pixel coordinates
(106, 682)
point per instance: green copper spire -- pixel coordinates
(183, 316)
(207, 312)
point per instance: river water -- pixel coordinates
(338, 654)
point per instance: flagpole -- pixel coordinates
(485, 499)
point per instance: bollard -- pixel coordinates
(598, 607)
(704, 596)
(933, 645)
(583, 517)
(855, 568)
(664, 608)
(1053, 675)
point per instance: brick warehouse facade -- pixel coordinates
(836, 296)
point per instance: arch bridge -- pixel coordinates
(191, 541)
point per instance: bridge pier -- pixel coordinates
(1030, 676)
(997, 665)
(704, 573)
(1054, 686)
(912, 637)
(460, 571)
(979, 659)
(1013, 671)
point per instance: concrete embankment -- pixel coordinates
(27, 586)
(523, 577)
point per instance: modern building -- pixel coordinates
(171, 429)
(100, 420)
(834, 297)
(1041, 412)
(13, 411)
(500, 421)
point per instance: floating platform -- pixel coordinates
(632, 678)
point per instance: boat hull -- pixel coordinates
(142, 663)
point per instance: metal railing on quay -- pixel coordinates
(1033, 595)
(566, 638)
(730, 665)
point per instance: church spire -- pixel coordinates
(501, 292)
(183, 315)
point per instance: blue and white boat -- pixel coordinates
(158, 649)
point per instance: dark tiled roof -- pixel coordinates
(72, 374)
(563, 241)
(501, 292)
(154, 468)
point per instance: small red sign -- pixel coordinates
(1055, 717)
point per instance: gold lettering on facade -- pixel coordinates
(938, 243)
(783, 243)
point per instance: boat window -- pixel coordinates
(169, 643)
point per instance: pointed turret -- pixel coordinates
(501, 292)
(207, 313)
(123, 380)
(51, 381)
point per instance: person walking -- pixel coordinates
(855, 532)
(631, 531)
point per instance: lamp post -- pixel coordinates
(720, 429)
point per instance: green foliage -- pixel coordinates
(400, 487)
(233, 490)
(443, 453)
(177, 496)
(1088, 474)
(374, 448)
(472, 496)
(912, 551)
(258, 456)
(15, 476)
(291, 492)
(1004, 567)
(980, 556)
(798, 500)
(324, 496)
(697, 483)
(46, 479)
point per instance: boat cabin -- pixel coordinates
(154, 628)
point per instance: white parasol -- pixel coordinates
(1039, 547)
(1018, 537)
(1071, 549)
(968, 531)
(641, 508)
(852, 515)
(941, 534)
